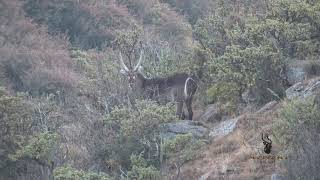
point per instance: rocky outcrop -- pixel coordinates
(303, 89)
(170, 130)
(211, 114)
(223, 128)
(277, 177)
(267, 107)
(296, 73)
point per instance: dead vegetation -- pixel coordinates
(231, 157)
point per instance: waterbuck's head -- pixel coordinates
(133, 74)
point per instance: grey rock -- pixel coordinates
(276, 176)
(303, 90)
(223, 128)
(170, 130)
(267, 107)
(295, 90)
(206, 175)
(211, 114)
(296, 73)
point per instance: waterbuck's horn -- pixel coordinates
(136, 68)
(268, 138)
(122, 63)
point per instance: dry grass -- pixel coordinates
(230, 157)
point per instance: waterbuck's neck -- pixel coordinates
(148, 82)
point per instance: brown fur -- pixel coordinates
(163, 89)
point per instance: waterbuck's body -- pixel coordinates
(179, 88)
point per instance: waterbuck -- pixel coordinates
(178, 88)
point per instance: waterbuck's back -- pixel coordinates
(167, 89)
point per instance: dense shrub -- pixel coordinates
(15, 123)
(140, 170)
(69, 173)
(222, 92)
(89, 24)
(24, 134)
(242, 54)
(182, 148)
(297, 129)
(136, 131)
(144, 120)
(39, 147)
(31, 60)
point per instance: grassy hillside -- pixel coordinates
(66, 109)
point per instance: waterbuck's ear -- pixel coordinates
(140, 69)
(124, 72)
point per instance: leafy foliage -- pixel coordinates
(140, 170)
(222, 92)
(136, 129)
(69, 173)
(39, 147)
(142, 121)
(59, 66)
(298, 129)
(295, 115)
(24, 133)
(182, 148)
(16, 118)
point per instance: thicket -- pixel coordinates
(27, 132)
(137, 132)
(69, 173)
(251, 51)
(139, 137)
(297, 129)
(60, 66)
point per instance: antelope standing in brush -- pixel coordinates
(178, 88)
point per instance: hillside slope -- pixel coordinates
(68, 111)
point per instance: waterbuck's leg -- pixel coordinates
(188, 102)
(179, 111)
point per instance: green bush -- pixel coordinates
(222, 92)
(182, 148)
(251, 51)
(38, 147)
(15, 125)
(141, 171)
(137, 130)
(69, 173)
(178, 143)
(298, 129)
(84, 63)
(142, 121)
(296, 114)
